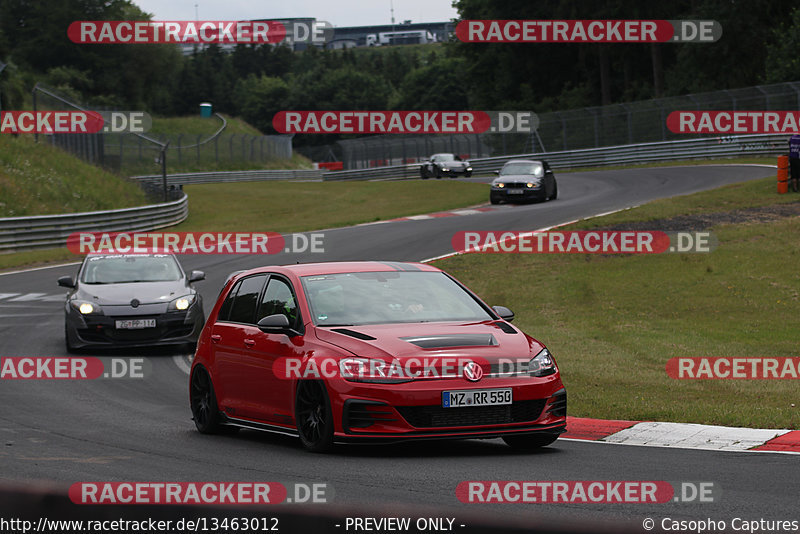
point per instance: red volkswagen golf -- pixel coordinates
(382, 351)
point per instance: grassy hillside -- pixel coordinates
(231, 151)
(196, 125)
(38, 179)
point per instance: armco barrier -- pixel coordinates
(233, 176)
(24, 233)
(707, 147)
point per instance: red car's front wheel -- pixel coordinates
(313, 415)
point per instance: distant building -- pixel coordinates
(353, 36)
(360, 35)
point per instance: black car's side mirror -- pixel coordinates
(66, 281)
(276, 324)
(196, 276)
(504, 313)
(497, 173)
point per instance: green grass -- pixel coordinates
(196, 125)
(39, 257)
(207, 164)
(612, 322)
(38, 179)
(753, 193)
(294, 207)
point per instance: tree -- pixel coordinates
(260, 98)
(783, 63)
(439, 85)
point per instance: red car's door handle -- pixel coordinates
(215, 338)
(249, 342)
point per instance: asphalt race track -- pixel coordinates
(124, 430)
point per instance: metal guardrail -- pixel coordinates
(233, 176)
(707, 147)
(25, 233)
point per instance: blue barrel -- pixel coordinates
(205, 110)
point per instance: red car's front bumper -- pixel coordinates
(414, 410)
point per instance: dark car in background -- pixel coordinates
(440, 165)
(132, 300)
(522, 180)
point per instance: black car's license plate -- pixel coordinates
(135, 324)
(476, 397)
(515, 191)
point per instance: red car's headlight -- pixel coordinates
(542, 364)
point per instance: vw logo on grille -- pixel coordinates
(473, 372)
(135, 303)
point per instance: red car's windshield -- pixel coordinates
(389, 297)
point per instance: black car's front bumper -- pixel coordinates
(463, 171)
(97, 331)
(521, 195)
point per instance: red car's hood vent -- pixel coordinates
(353, 333)
(413, 340)
(454, 340)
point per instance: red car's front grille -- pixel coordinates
(437, 416)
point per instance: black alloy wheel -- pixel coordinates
(314, 416)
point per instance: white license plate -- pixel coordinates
(476, 397)
(515, 191)
(135, 324)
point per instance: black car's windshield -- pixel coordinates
(120, 269)
(534, 169)
(389, 297)
(447, 157)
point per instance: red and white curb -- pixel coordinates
(437, 215)
(683, 435)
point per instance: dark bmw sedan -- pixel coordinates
(522, 180)
(132, 300)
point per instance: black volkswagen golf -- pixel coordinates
(132, 300)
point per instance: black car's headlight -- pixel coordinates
(542, 364)
(499, 185)
(534, 183)
(181, 303)
(86, 308)
(372, 371)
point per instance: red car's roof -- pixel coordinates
(315, 269)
